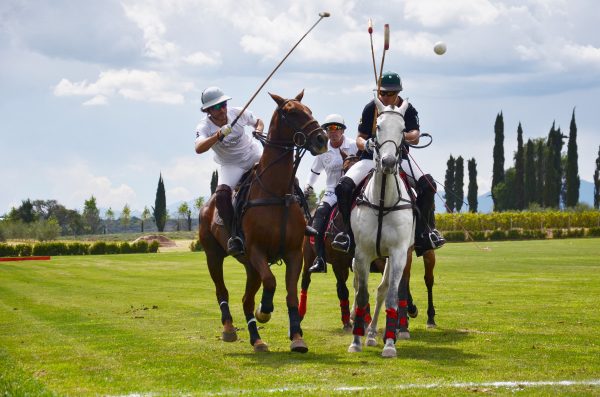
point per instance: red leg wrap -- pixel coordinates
(303, 302)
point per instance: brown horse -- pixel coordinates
(273, 223)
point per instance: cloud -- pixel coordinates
(81, 183)
(436, 14)
(138, 85)
(97, 100)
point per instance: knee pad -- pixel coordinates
(223, 193)
(323, 210)
(345, 187)
(426, 184)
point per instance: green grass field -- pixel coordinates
(522, 312)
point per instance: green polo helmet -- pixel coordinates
(390, 81)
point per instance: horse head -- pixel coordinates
(293, 123)
(389, 137)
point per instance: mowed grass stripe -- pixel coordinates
(521, 311)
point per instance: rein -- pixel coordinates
(382, 210)
(300, 139)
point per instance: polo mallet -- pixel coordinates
(372, 50)
(386, 46)
(321, 16)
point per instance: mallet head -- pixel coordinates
(324, 14)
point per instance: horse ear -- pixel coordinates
(379, 104)
(279, 100)
(300, 96)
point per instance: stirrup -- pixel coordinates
(436, 239)
(341, 242)
(319, 266)
(235, 246)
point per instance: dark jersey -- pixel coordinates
(365, 126)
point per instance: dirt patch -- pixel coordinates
(162, 240)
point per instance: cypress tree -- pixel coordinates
(160, 206)
(459, 183)
(540, 163)
(214, 180)
(597, 182)
(553, 168)
(472, 193)
(572, 170)
(449, 185)
(529, 175)
(519, 171)
(498, 167)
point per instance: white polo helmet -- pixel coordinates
(334, 119)
(211, 96)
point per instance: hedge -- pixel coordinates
(60, 248)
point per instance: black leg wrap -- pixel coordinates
(252, 329)
(426, 189)
(266, 302)
(294, 321)
(225, 313)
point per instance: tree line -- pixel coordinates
(540, 176)
(48, 219)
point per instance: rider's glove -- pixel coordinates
(370, 145)
(225, 130)
(308, 190)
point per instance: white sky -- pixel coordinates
(99, 97)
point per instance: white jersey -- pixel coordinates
(331, 162)
(237, 147)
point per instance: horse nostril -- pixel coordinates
(321, 140)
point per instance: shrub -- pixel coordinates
(575, 233)
(514, 234)
(153, 247)
(196, 246)
(478, 236)
(98, 248)
(125, 248)
(112, 248)
(557, 233)
(593, 232)
(458, 236)
(78, 249)
(140, 247)
(497, 235)
(49, 249)
(23, 249)
(7, 250)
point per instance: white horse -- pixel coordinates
(383, 225)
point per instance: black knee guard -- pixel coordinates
(343, 192)
(224, 206)
(426, 188)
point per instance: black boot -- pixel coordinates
(320, 224)
(343, 191)
(235, 245)
(426, 235)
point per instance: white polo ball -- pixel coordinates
(439, 48)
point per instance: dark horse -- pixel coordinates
(273, 223)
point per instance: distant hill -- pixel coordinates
(485, 203)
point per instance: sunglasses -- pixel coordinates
(388, 93)
(218, 106)
(334, 127)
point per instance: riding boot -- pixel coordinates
(320, 224)
(223, 193)
(343, 191)
(426, 235)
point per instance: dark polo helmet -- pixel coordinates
(390, 81)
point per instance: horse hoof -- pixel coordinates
(403, 335)
(371, 341)
(431, 324)
(414, 313)
(299, 346)
(389, 350)
(347, 328)
(260, 316)
(354, 348)
(261, 347)
(229, 336)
